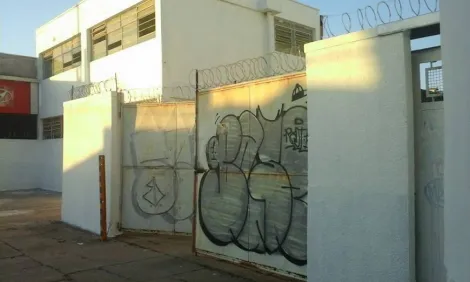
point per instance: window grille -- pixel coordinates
(62, 57)
(52, 128)
(291, 37)
(124, 30)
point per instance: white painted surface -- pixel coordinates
(361, 159)
(20, 165)
(51, 166)
(252, 147)
(429, 153)
(135, 67)
(56, 90)
(34, 88)
(240, 33)
(82, 147)
(158, 167)
(53, 93)
(455, 60)
(21, 160)
(166, 60)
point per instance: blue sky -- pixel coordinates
(17, 29)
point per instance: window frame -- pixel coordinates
(56, 55)
(293, 33)
(54, 130)
(125, 28)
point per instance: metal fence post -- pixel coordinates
(102, 173)
(196, 167)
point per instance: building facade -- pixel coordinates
(154, 44)
(19, 126)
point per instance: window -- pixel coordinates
(291, 37)
(52, 128)
(124, 30)
(18, 126)
(63, 57)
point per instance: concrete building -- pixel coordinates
(20, 157)
(457, 135)
(154, 44)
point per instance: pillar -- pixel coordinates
(456, 63)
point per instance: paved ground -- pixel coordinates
(35, 246)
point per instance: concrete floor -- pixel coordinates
(35, 246)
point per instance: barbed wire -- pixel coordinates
(382, 13)
(134, 95)
(272, 64)
(158, 94)
(94, 88)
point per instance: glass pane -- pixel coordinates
(47, 54)
(99, 50)
(57, 65)
(99, 39)
(99, 32)
(67, 60)
(129, 17)
(115, 36)
(76, 42)
(147, 25)
(77, 55)
(115, 40)
(57, 51)
(145, 5)
(113, 24)
(67, 46)
(129, 35)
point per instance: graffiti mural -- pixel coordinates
(158, 167)
(157, 191)
(254, 193)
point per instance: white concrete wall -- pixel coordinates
(20, 165)
(136, 67)
(221, 32)
(361, 159)
(455, 61)
(53, 93)
(133, 70)
(82, 147)
(20, 160)
(51, 164)
(240, 33)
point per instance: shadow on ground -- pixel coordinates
(35, 246)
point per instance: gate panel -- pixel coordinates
(252, 145)
(429, 153)
(157, 167)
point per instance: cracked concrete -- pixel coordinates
(35, 246)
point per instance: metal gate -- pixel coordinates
(429, 155)
(157, 166)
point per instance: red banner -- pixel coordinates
(15, 97)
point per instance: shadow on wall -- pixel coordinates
(252, 158)
(158, 166)
(81, 184)
(90, 131)
(54, 93)
(361, 170)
